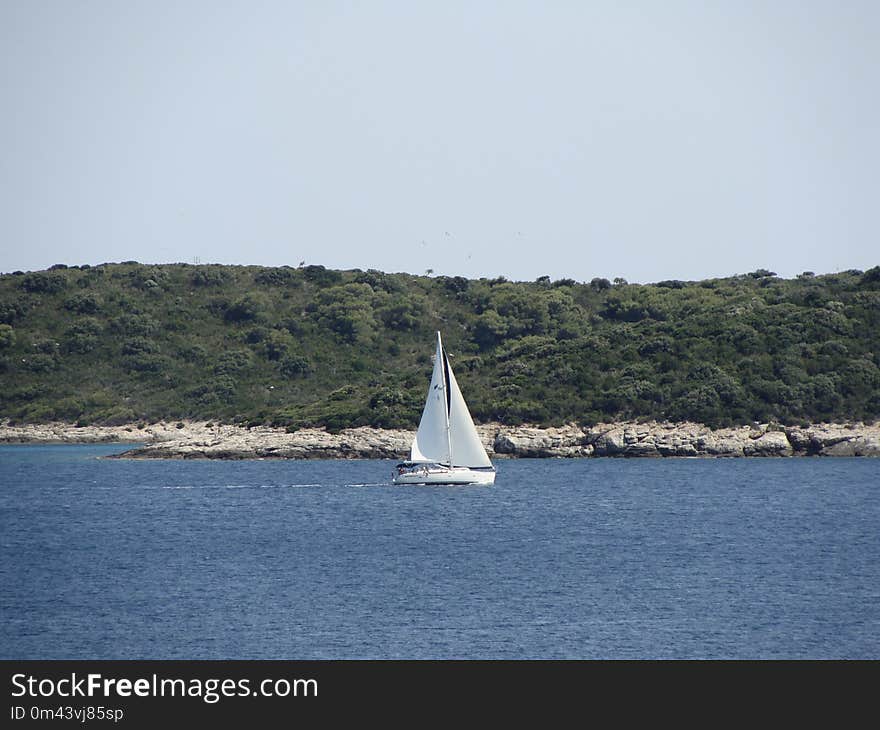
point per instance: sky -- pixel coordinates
(646, 140)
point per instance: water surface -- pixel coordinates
(591, 558)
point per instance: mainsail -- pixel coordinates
(446, 432)
(432, 439)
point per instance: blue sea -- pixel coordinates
(591, 558)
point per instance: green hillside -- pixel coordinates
(120, 343)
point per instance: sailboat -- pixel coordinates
(446, 448)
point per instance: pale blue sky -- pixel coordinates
(649, 140)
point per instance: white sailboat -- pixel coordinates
(446, 449)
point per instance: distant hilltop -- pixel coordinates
(309, 347)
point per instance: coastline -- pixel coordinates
(206, 440)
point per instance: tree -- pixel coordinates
(346, 310)
(490, 329)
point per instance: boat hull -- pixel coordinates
(456, 475)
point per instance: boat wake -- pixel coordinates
(235, 486)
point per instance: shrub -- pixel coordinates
(232, 362)
(402, 313)
(139, 346)
(83, 303)
(44, 283)
(7, 336)
(320, 276)
(83, 336)
(135, 325)
(245, 309)
(208, 276)
(12, 310)
(294, 366)
(276, 344)
(275, 277)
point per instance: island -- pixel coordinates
(260, 362)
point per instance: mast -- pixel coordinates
(445, 363)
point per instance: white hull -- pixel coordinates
(445, 475)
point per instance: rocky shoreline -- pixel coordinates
(206, 440)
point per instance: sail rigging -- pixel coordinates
(447, 434)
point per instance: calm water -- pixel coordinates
(561, 559)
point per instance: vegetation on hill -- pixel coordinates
(120, 343)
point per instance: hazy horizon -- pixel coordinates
(682, 140)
